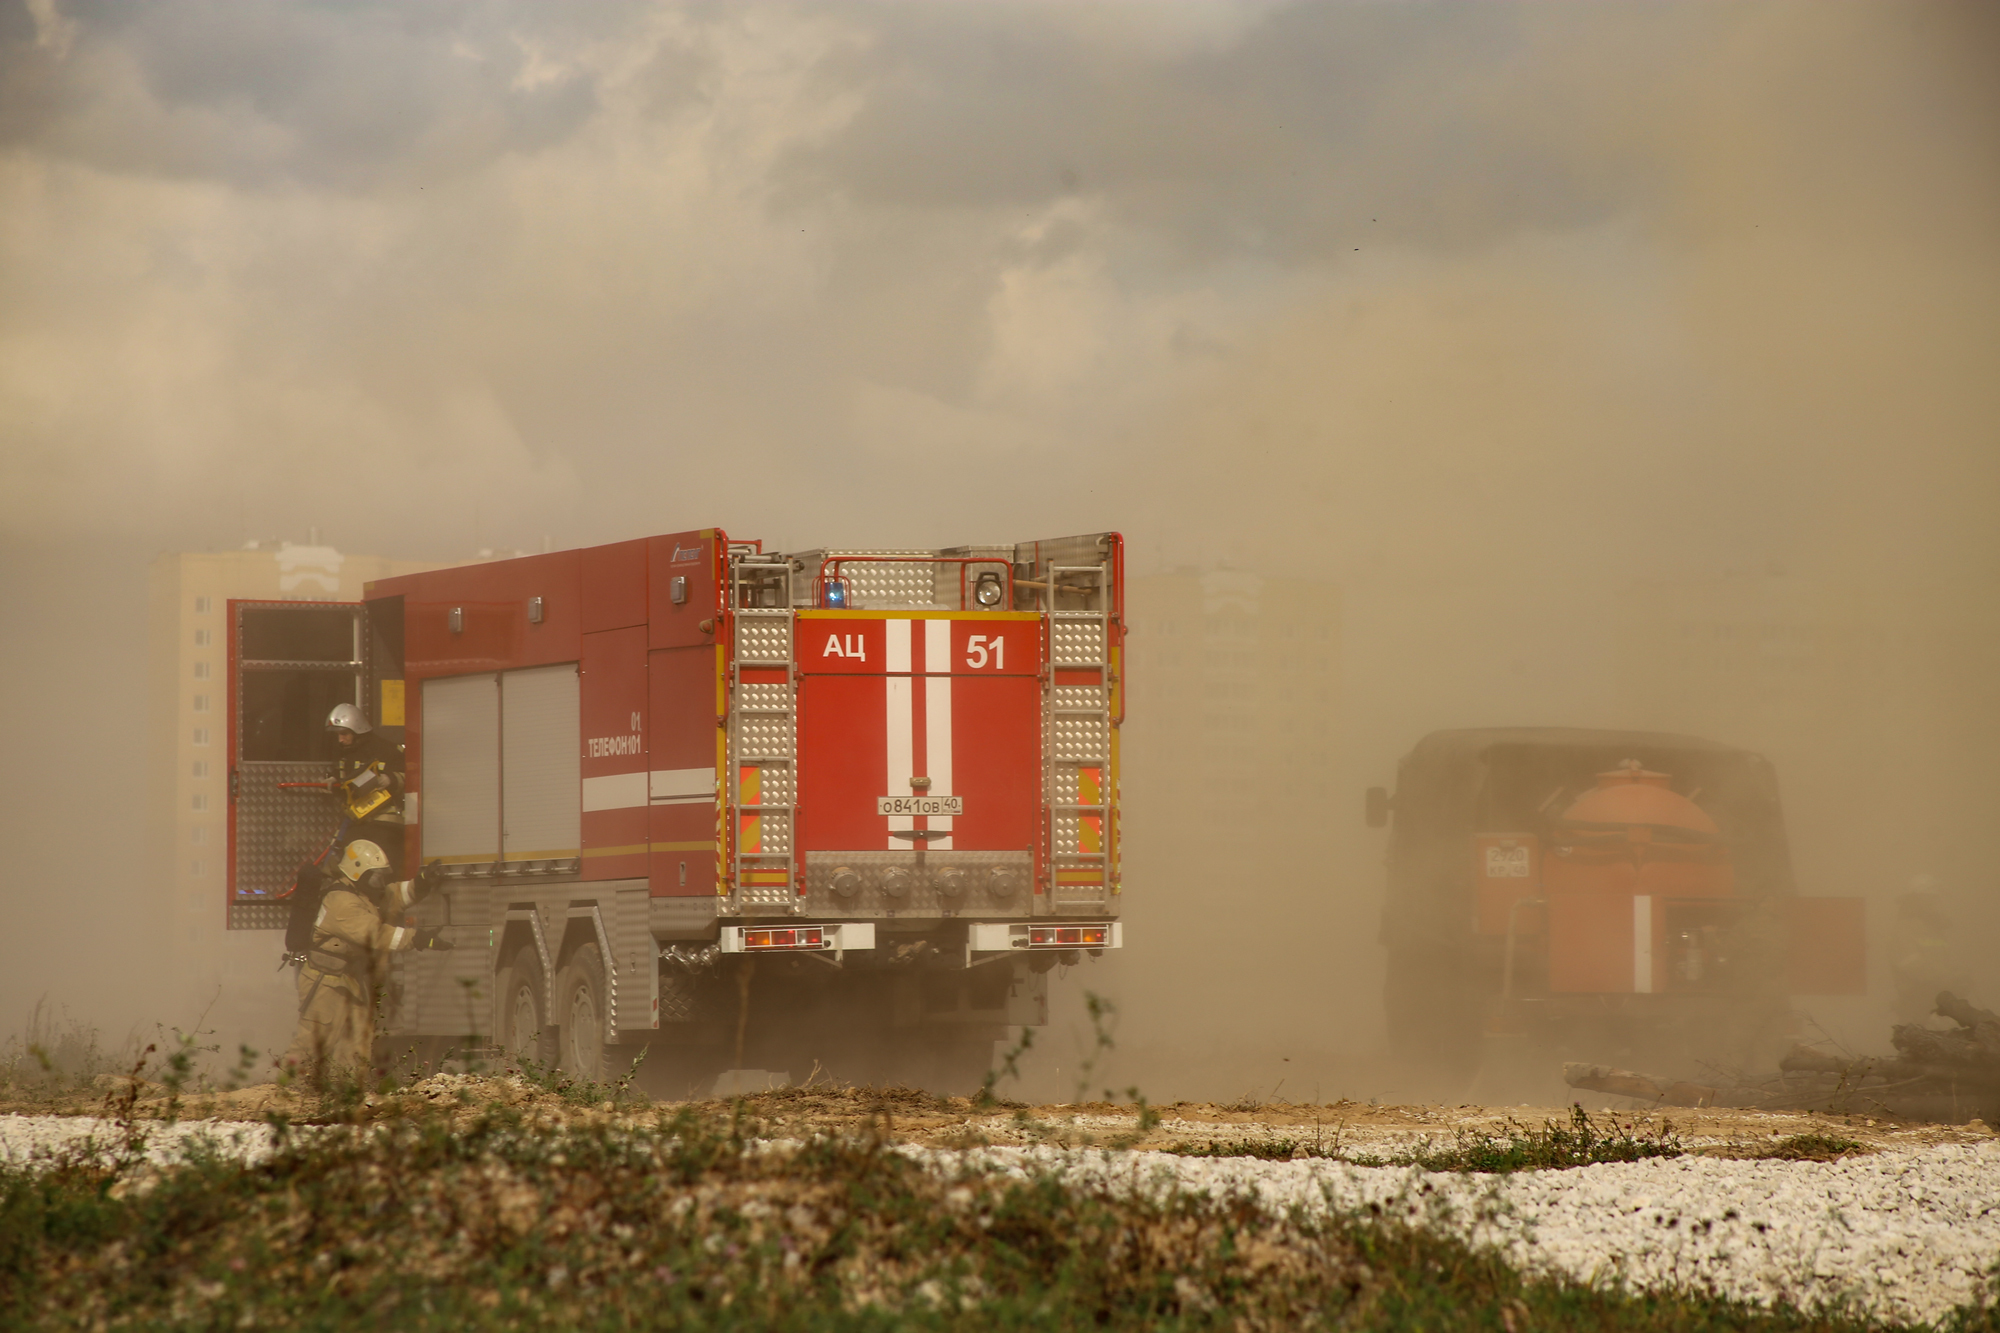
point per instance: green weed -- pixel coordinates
(1269, 1150)
(1809, 1148)
(1582, 1142)
(580, 1091)
(56, 1058)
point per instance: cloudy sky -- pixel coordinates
(468, 274)
(1483, 310)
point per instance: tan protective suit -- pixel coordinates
(340, 979)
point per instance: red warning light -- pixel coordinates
(1069, 937)
(789, 937)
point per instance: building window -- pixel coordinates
(201, 671)
(201, 703)
(203, 637)
(194, 867)
(198, 834)
(201, 606)
(201, 735)
(201, 768)
(199, 801)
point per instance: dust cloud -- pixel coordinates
(1623, 366)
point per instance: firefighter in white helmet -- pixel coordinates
(367, 780)
(358, 927)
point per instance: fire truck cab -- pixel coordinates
(833, 807)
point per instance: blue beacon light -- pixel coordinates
(836, 594)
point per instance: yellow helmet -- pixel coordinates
(361, 857)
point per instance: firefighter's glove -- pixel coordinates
(426, 882)
(428, 937)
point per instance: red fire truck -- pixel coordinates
(844, 807)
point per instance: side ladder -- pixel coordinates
(1077, 744)
(763, 756)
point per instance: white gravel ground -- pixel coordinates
(24, 1138)
(1901, 1234)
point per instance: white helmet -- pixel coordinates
(346, 717)
(361, 857)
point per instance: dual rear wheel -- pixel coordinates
(574, 1034)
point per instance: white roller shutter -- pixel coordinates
(461, 768)
(541, 790)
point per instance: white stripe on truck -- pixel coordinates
(1642, 944)
(662, 786)
(683, 786)
(614, 791)
(937, 723)
(899, 712)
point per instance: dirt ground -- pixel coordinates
(1344, 1127)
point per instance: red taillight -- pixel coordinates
(788, 937)
(1068, 937)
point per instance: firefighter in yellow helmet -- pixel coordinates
(356, 930)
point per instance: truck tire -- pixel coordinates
(583, 1018)
(521, 1028)
(1433, 1013)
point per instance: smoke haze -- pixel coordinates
(1522, 325)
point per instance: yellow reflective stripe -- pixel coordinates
(721, 763)
(639, 848)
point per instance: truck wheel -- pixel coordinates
(1434, 1015)
(521, 1023)
(583, 1016)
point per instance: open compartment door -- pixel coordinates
(289, 664)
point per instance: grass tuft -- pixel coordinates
(1267, 1150)
(1809, 1148)
(1582, 1142)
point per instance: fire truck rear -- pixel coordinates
(843, 808)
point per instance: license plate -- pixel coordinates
(919, 805)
